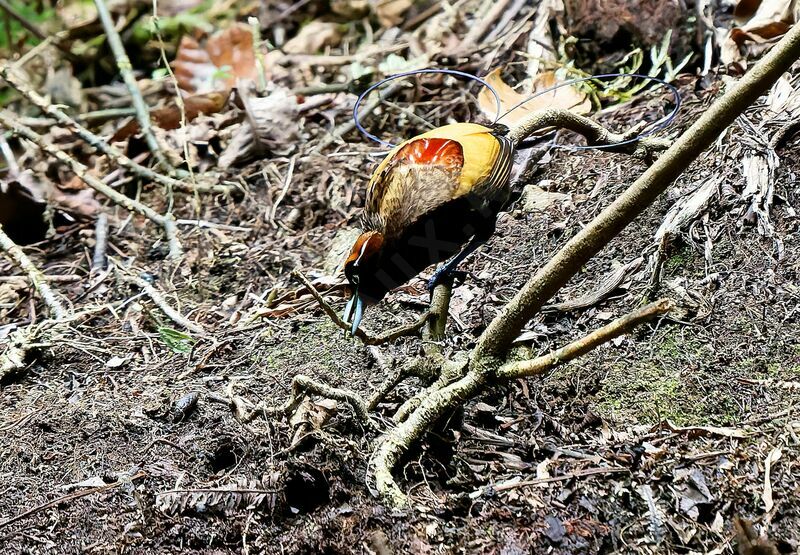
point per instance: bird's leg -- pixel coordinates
(448, 269)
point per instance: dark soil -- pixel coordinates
(664, 405)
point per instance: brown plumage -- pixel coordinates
(425, 201)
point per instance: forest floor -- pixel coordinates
(118, 438)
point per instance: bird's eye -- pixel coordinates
(354, 279)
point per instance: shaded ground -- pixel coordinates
(119, 437)
(78, 414)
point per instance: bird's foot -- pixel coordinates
(443, 275)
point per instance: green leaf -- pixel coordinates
(176, 340)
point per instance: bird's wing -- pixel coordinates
(431, 169)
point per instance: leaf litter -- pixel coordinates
(644, 447)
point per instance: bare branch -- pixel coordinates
(126, 71)
(494, 342)
(367, 339)
(167, 222)
(585, 344)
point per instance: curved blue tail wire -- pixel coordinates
(658, 126)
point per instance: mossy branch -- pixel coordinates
(486, 361)
(620, 326)
(595, 134)
(497, 338)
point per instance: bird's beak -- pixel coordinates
(354, 311)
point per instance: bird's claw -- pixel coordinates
(442, 275)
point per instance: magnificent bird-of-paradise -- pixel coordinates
(432, 195)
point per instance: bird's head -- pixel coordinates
(361, 271)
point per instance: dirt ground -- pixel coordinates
(119, 436)
(672, 410)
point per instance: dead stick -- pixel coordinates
(161, 302)
(585, 344)
(387, 337)
(70, 497)
(167, 222)
(38, 280)
(126, 71)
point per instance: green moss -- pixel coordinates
(658, 387)
(647, 393)
(677, 261)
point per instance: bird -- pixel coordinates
(434, 197)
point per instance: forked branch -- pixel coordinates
(497, 338)
(620, 326)
(487, 357)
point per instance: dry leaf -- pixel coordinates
(228, 60)
(350, 9)
(169, 117)
(390, 12)
(313, 37)
(771, 459)
(536, 199)
(768, 19)
(695, 431)
(174, 7)
(567, 97)
(271, 124)
(76, 198)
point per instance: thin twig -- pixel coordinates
(97, 142)
(49, 296)
(126, 71)
(167, 222)
(585, 344)
(367, 339)
(160, 301)
(99, 260)
(70, 497)
(550, 479)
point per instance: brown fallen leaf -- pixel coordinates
(271, 124)
(313, 37)
(762, 21)
(390, 12)
(227, 60)
(567, 97)
(169, 117)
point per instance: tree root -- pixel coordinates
(620, 326)
(396, 442)
(301, 385)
